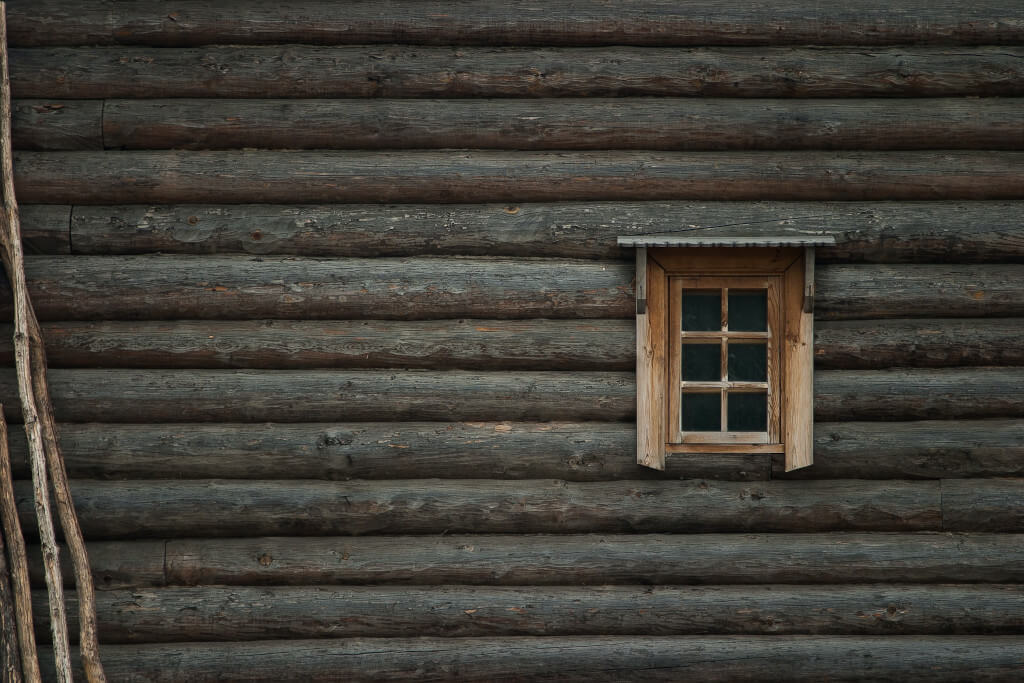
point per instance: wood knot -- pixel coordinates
(265, 559)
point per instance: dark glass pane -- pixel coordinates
(748, 362)
(702, 412)
(702, 362)
(702, 310)
(748, 311)
(748, 412)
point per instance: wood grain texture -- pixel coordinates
(170, 287)
(591, 451)
(45, 229)
(242, 613)
(57, 124)
(223, 508)
(936, 232)
(173, 287)
(591, 123)
(146, 396)
(581, 659)
(651, 22)
(603, 559)
(986, 508)
(497, 176)
(534, 344)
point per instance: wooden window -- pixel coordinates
(725, 351)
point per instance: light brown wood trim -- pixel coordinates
(718, 448)
(651, 343)
(726, 437)
(797, 372)
(703, 261)
(673, 426)
(775, 334)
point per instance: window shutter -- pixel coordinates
(651, 343)
(798, 362)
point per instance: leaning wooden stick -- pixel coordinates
(40, 426)
(18, 563)
(10, 662)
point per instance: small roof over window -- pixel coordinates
(691, 240)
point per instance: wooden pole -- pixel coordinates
(10, 670)
(18, 563)
(40, 426)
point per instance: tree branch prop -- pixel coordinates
(40, 425)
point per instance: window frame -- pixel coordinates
(657, 364)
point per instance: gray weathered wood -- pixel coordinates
(565, 559)
(535, 344)
(996, 506)
(161, 287)
(936, 232)
(251, 613)
(588, 22)
(57, 124)
(592, 123)
(591, 451)
(225, 508)
(500, 176)
(45, 229)
(145, 396)
(580, 659)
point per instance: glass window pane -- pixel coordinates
(748, 412)
(702, 362)
(702, 310)
(748, 310)
(702, 412)
(748, 362)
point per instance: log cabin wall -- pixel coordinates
(343, 347)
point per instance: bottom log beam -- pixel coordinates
(251, 613)
(584, 659)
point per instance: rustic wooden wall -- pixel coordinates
(343, 348)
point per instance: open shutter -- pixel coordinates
(651, 350)
(798, 362)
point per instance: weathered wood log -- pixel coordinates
(935, 232)
(535, 344)
(592, 451)
(250, 613)
(333, 395)
(651, 22)
(57, 124)
(226, 508)
(930, 291)
(631, 123)
(913, 450)
(145, 396)
(45, 229)
(67, 288)
(164, 177)
(580, 659)
(159, 287)
(996, 506)
(565, 559)
(10, 655)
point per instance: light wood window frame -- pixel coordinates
(787, 273)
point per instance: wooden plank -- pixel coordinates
(173, 287)
(651, 348)
(591, 451)
(146, 396)
(497, 176)
(57, 124)
(46, 229)
(283, 612)
(930, 449)
(590, 22)
(224, 508)
(591, 123)
(797, 351)
(579, 659)
(926, 232)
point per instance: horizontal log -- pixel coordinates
(581, 659)
(224, 508)
(535, 344)
(163, 287)
(995, 506)
(164, 177)
(249, 613)
(172, 287)
(590, 22)
(592, 451)
(565, 559)
(45, 229)
(143, 396)
(57, 124)
(592, 123)
(929, 291)
(933, 232)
